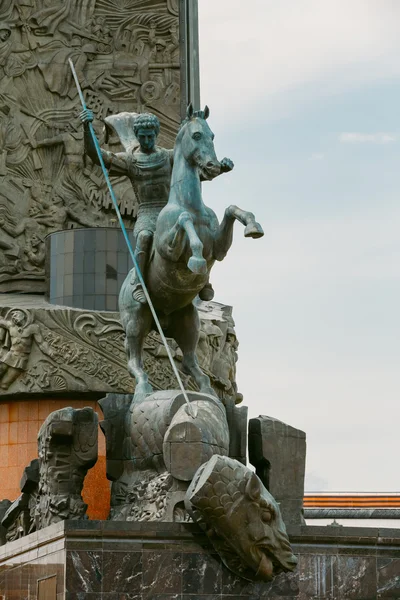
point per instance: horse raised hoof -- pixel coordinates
(253, 230)
(197, 265)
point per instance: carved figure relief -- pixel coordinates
(67, 446)
(51, 485)
(19, 518)
(224, 365)
(127, 57)
(50, 350)
(18, 335)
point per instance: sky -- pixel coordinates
(305, 99)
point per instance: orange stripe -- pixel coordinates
(363, 501)
(350, 501)
(334, 505)
(354, 497)
(340, 501)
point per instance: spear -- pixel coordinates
(190, 408)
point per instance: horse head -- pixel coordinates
(196, 143)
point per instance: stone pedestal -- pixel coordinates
(96, 560)
(278, 451)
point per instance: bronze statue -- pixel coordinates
(149, 168)
(187, 241)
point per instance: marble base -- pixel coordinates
(104, 560)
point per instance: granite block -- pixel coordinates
(230, 597)
(162, 573)
(318, 576)
(341, 570)
(83, 596)
(118, 596)
(122, 572)
(388, 573)
(202, 597)
(357, 578)
(285, 584)
(235, 586)
(278, 451)
(84, 572)
(167, 597)
(201, 574)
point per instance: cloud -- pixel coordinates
(315, 304)
(369, 138)
(253, 54)
(316, 300)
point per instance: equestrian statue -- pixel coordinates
(178, 238)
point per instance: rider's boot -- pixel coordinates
(207, 293)
(138, 293)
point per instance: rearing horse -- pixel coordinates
(187, 242)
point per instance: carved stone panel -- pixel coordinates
(51, 485)
(278, 452)
(47, 349)
(4, 506)
(129, 56)
(67, 447)
(19, 519)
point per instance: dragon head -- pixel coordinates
(241, 518)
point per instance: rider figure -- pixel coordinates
(149, 168)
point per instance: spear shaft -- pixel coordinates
(128, 243)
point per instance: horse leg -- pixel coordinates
(171, 244)
(196, 263)
(224, 237)
(184, 327)
(137, 327)
(253, 229)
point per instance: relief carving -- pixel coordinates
(67, 446)
(51, 485)
(127, 56)
(19, 518)
(44, 349)
(18, 334)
